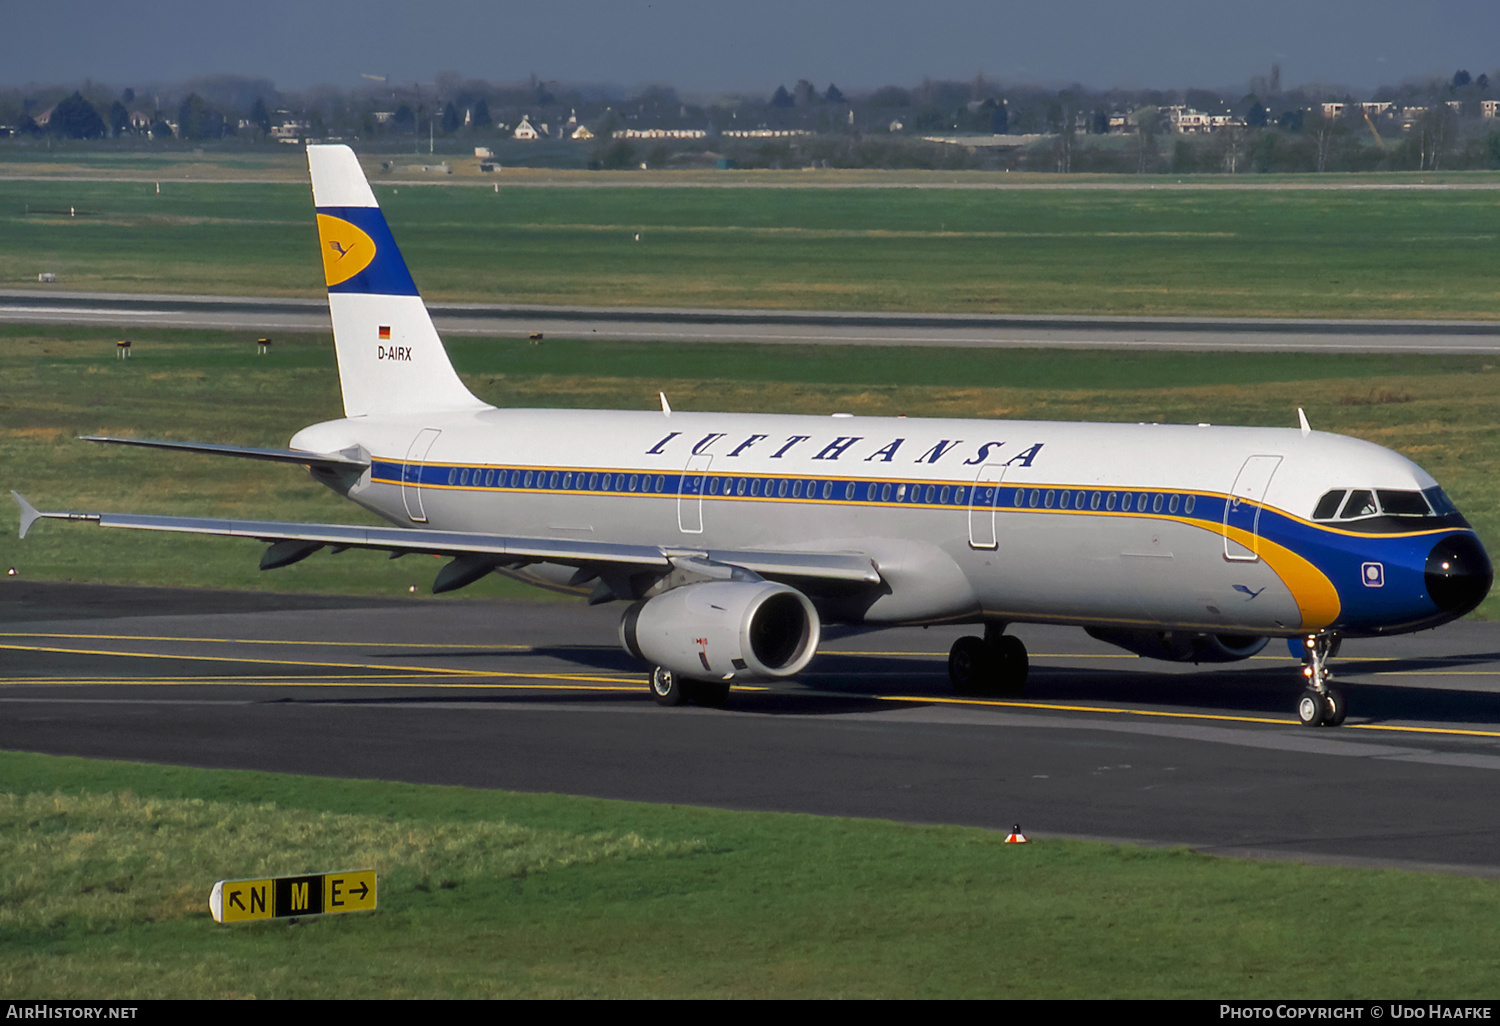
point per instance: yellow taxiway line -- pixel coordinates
(422, 678)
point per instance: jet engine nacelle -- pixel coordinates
(1182, 646)
(722, 630)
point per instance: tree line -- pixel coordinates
(1267, 128)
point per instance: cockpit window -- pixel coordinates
(1328, 505)
(1402, 504)
(1389, 510)
(1439, 501)
(1361, 504)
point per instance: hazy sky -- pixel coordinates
(704, 47)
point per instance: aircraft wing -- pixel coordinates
(474, 555)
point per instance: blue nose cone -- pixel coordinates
(1458, 574)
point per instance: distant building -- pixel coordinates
(525, 130)
(660, 133)
(289, 132)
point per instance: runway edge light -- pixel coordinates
(1015, 836)
(293, 897)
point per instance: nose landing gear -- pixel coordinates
(1320, 705)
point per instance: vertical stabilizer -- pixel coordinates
(390, 357)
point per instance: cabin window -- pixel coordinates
(796, 489)
(740, 488)
(1187, 507)
(567, 480)
(630, 485)
(943, 496)
(1360, 504)
(1156, 503)
(452, 476)
(463, 476)
(1173, 503)
(755, 487)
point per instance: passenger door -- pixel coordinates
(1242, 510)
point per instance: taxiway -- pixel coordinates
(539, 697)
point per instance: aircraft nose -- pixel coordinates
(1458, 574)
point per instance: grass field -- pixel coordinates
(57, 384)
(105, 870)
(1280, 252)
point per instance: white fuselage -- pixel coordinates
(1096, 524)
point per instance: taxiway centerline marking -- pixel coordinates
(259, 641)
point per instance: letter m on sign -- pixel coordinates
(298, 895)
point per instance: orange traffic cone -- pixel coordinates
(1015, 836)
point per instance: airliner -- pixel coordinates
(734, 538)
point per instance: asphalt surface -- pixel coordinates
(122, 313)
(539, 697)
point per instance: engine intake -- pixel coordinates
(723, 630)
(1181, 646)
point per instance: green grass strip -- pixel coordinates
(493, 894)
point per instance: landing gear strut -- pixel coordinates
(1320, 705)
(995, 664)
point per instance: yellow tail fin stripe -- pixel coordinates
(347, 250)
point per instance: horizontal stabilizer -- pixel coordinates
(332, 461)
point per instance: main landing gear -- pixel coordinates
(1320, 705)
(995, 664)
(669, 688)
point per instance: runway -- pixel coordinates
(125, 313)
(539, 697)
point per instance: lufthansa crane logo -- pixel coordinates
(347, 250)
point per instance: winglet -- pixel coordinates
(29, 515)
